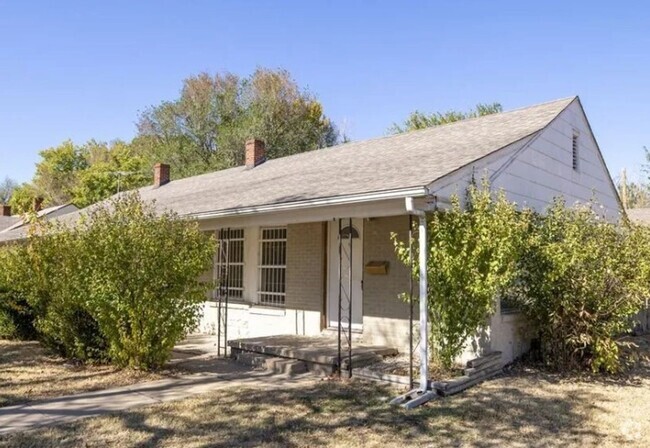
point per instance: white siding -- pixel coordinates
(533, 172)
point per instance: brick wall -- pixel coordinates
(385, 314)
(381, 292)
(305, 266)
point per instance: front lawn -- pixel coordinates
(523, 407)
(30, 372)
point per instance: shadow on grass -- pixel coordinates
(335, 414)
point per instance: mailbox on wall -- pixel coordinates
(377, 268)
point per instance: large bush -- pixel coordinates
(578, 278)
(472, 258)
(142, 272)
(122, 283)
(47, 271)
(581, 279)
(16, 317)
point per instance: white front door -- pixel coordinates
(351, 263)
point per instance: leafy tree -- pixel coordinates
(83, 174)
(111, 169)
(205, 129)
(473, 252)
(57, 172)
(122, 284)
(420, 120)
(581, 279)
(22, 198)
(7, 188)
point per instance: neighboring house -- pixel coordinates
(280, 218)
(6, 219)
(9, 223)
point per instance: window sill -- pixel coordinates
(254, 308)
(232, 303)
(265, 310)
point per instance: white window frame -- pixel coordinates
(233, 291)
(276, 296)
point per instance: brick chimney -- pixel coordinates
(255, 153)
(5, 210)
(160, 174)
(38, 204)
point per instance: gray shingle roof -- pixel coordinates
(396, 162)
(18, 221)
(8, 221)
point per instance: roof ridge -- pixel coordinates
(467, 120)
(384, 137)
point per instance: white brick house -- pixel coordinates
(282, 217)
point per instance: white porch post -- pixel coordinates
(424, 315)
(422, 394)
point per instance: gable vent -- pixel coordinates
(575, 156)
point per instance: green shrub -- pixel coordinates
(141, 272)
(121, 285)
(472, 257)
(47, 271)
(16, 317)
(579, 285)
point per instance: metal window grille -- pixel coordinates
(272, 266)
(574, 150)
(230, 262)
(509, 306)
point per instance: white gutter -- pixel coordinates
(321, 202)
(424, 314)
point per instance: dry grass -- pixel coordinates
(29, 372)
(523, 407)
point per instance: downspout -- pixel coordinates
(423, 285)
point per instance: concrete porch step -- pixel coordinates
(319, 355)
(286, 366)
(272, 364)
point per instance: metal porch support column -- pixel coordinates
(219, 296)
(340, 359)
(350, 303)
(219, 325)
(225, 320)
(422, 394)
(424, 314)
(410, 300)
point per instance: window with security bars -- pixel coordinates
(272, 266)
(230, 262)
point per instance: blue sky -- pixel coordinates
(83, 70)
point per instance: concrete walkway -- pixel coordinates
(69, 408)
